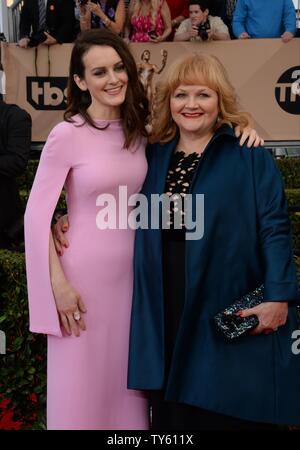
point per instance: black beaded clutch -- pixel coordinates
(233, 326)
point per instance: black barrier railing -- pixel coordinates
(278, 149)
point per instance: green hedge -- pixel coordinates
(295, 222)
(289, 168)
(297, 261)
(290, 171)
(25, 181)
(23, 367)
(293, 196)
(24, 194)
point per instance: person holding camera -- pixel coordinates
(46, 22)
(201, 26)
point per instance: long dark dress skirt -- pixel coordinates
(178, 416)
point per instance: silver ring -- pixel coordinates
(76, 315)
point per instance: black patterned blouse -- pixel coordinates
(180, 175)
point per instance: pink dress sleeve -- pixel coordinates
(52, 172)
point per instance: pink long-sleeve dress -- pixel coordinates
(87, 375)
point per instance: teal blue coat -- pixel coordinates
(246, 242)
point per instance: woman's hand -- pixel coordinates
(50, 39)
(23, 43)
(156, 39)
(95, 8)
(70, 308)
(271, 315)
(85, 14)
(254, 140)
(244, 35)
(287, 37)
(58, 233)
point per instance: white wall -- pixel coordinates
(3, 29)
(1, 15)
(3, 18)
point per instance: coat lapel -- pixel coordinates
(163, 156)
(164, 153)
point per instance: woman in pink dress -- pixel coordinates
(148, 21)
(82, 300)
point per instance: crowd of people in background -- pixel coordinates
(124, 334)
(52, 21)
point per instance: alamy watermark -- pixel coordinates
(137, 211)
(296, 343)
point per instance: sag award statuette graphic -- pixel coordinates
(146, 71)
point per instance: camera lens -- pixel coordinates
(204, 35)
(202, 30)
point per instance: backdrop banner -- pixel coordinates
(265, 73)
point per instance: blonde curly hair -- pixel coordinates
(195, 69)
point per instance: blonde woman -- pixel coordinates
(148, 21)
(185, 275)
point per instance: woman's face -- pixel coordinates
(194, 108)
(105, 78)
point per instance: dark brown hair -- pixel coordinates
(134, 110)
(203, 4)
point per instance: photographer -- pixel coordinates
(46, 22)
(201, 26)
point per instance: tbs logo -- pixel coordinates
(47, 93)
(287, 91)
